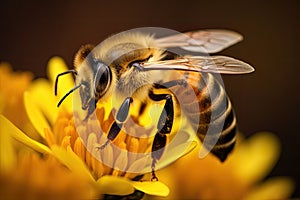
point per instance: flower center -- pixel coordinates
(124, 156)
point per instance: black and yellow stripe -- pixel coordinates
(210, 113)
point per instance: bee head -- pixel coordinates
(94, 77)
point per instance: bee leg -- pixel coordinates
(115, 129)
(159, 143)
(164, 127)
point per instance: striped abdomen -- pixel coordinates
(210, 113)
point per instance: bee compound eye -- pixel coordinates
(102, 79)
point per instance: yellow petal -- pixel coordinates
(156, 188)
(2, 102)
(142, 165)
(114, 185)
(274, 188)
(56, 66)
(190, 148)
(49, 137)
(7, 154)
(22, 137)
(35, 115)
(176, 149)
(72, 161)
(43, 94)
(256, 156)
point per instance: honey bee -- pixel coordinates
(138, 66)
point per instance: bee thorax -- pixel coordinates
(134, 84)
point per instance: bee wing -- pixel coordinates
(206, 41)
(214, 64)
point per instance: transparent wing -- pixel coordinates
(214, 64)
(206, 41)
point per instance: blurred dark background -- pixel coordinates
(32, 32)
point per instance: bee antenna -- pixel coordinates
(66, 95)
(63, 73)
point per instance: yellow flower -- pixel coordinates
(26, 175)
(79, 154)
(12, 88)
(240, 177)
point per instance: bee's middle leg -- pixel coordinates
(164, 127)
(116, 127)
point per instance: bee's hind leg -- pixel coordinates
(164, 127)
(121, 116)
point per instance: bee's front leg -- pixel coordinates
(164, 127)
(121, 116)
